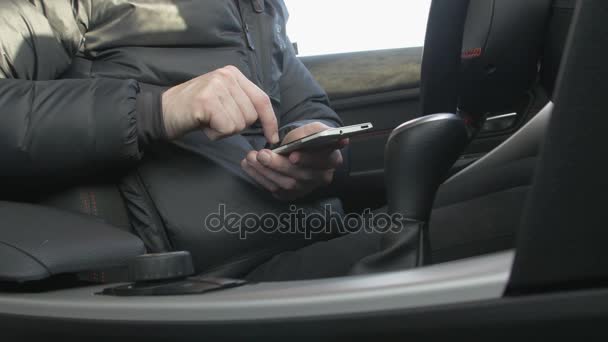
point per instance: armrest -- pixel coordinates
(38, 242)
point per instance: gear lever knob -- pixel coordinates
(418, 156)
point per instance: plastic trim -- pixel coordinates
(462, 281)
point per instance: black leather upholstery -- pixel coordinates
(562, 245)
(418, 156)
(38, 242)
(101, 201)
(478, 210)
(494, 172)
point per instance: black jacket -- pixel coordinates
(71, 73)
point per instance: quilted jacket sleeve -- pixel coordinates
(51, 129)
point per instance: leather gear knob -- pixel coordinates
(418, 156)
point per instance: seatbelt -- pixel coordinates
(442, 56)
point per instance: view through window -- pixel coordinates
(335, 26)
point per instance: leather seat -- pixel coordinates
(477, 210)
(101, 201)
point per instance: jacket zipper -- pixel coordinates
(248, 38)
(250, 45)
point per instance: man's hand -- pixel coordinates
(221, 103)
(300, 173)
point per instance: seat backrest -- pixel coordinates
(560, 21)
(525, 143)
(441, 57)
(100, 201)
(563, 237)
(502, 47)
(481, 56)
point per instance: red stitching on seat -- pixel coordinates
(86, 208)
(94, 201)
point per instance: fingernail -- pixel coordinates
(251, 157)
(275, 138)
(264, 158)
(295, 158)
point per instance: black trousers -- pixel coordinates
(490, 227)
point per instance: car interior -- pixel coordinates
(494, 125)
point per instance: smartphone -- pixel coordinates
(325, 138)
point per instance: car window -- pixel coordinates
(321, 27)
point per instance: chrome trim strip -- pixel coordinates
(469, 280)
(503, 116)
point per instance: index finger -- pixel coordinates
(262, 105)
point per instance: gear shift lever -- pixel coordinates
(418, 156)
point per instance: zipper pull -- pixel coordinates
(258, 6)
(248, 38)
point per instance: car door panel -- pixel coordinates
(363, 73)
